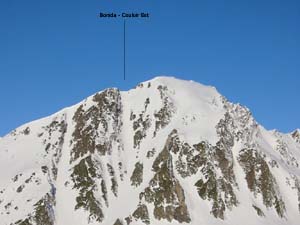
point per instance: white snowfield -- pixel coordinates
(76, 167)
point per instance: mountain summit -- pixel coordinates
(166, 152)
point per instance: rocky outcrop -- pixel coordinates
(260, 179)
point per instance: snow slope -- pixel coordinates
(168, 151)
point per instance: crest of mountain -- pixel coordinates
(166, 152)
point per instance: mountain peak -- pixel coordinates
(171, 80)
(186, 89)
(168, 151)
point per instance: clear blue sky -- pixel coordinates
(55, 53)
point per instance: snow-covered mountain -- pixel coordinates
(166, 152)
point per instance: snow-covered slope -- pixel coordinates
(166, 152)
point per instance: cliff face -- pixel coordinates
(167, 151)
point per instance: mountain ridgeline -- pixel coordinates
(166, 152)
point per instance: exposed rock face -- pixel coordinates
(42, 213)
(296, 135)
(207, 159)
(169, 151)
(137, 175)
(260, 179)
(165, 191)
(97, 126)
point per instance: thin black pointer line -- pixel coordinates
(124, 52)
